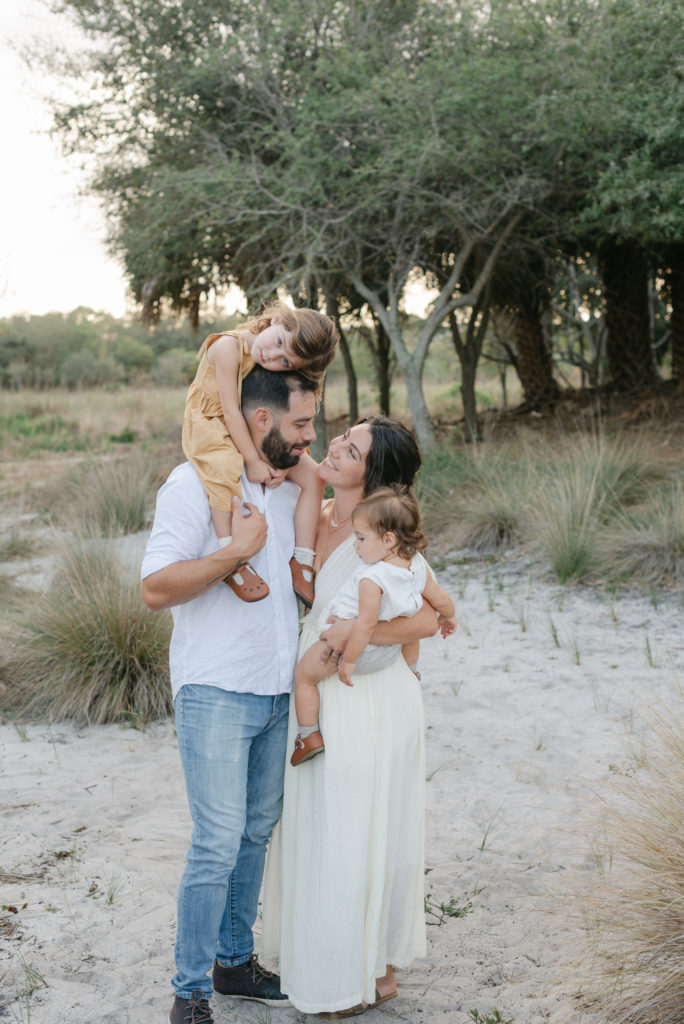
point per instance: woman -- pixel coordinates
(346, 866)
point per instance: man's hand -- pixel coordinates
(248, 531)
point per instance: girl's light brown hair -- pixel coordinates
(314, 335)
(394, 510)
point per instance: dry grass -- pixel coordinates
(110, 498)
(648, 544)
(634, 913)
(88, 649)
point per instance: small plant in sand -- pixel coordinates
(114, 888)
(634, 912)
(16, 544)
(111, 498)
(489, 1018)
(88, 648)
(441, 911)
(576, 648)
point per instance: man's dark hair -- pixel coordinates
(266, 388)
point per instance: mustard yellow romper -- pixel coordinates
(206, 441)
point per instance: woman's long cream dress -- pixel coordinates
(343, 889)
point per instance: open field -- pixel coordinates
(537, 717)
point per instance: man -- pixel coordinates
(231, 670)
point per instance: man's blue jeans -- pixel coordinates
(232, 747)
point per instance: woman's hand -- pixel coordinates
(335, 638)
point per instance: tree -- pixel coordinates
(234, 146)
(620, 113)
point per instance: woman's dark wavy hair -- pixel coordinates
(394, 456)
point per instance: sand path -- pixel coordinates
(531, 710)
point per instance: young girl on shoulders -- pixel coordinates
(394, 580)
(216, 439)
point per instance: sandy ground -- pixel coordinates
(531, 710)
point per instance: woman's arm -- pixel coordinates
(398, 631)
(226, 354)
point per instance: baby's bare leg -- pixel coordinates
(411, 651)
(308, 674)
(222, 521)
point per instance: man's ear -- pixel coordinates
(262, 419)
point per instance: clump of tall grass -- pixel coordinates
(490, 512)
(634, 914)
(442, 476)
(648, 544)
(478, 495)
(578, 491)
(110, 498)
(88, 649)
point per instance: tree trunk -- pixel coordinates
(382, 357)
(319, 447)
(332, 307)
(420, 414)
(468, 352)
(534, 365)
(676, 257)
(624, 272)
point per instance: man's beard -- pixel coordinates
(277, 451)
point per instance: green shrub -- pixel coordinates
(89, 649)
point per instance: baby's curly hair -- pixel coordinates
(314, 335)
(395, 510)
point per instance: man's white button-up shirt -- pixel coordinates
(219, 640)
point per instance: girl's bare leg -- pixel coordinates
(222, 521)
(411, 651)
(306, 518)
(243, 581)
(308, 510)
(308, 673)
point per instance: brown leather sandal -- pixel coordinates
(307, 748)
(246, 583)
(302, 581)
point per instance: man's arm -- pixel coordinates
(182, 581)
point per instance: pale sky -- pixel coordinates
(52, 249)
(53, 255)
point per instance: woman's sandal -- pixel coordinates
(246, 583)
(356, 1011)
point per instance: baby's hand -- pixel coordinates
(447, 626)
(258, 471)
(345, 670)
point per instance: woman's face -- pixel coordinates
(345, 463)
